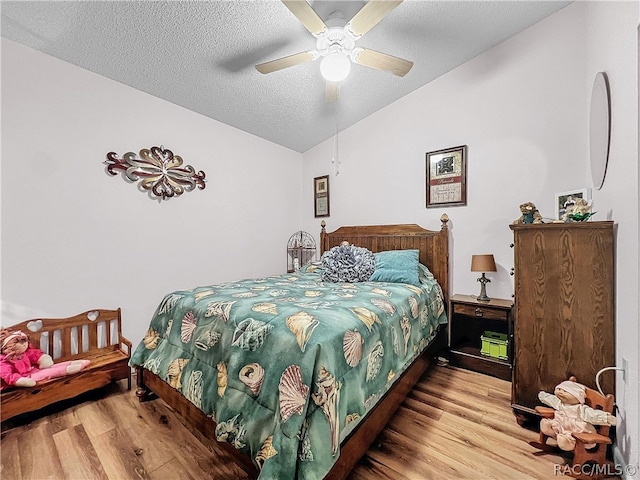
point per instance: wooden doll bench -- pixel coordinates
(588, 463)
(95, 335)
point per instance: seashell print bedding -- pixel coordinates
(285, 373)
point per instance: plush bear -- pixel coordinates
(22, 365)
(580, 211)
(529, 214)
(571, 414)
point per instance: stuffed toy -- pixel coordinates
(529, 214)
(580, 211)
(571, 414)
(22, 365)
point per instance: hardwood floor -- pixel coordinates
(455, 424)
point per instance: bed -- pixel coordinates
(295, 376)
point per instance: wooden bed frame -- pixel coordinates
(434, 253)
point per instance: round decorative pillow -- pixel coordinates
(348, 263)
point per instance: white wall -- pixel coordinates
(613, 31)
(76, 238)
(522, 108)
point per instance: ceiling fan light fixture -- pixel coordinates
(335, 67)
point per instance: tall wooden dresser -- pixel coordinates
(564, 308)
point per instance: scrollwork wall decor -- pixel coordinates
(160, 171)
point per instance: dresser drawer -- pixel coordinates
(481, 311)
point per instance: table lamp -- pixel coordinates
(483, 263)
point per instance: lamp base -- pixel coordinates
(483, 289)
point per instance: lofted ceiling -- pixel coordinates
(201, 55)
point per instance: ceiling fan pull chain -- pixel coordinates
(335, 158)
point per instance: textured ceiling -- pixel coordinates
(201, 54)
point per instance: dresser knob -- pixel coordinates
(479, 312)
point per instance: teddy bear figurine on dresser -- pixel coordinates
(571, 414)
(23, 365)
(529, 214)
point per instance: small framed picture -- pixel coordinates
(447, 177)
(321, 196)
(565, 200)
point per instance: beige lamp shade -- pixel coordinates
(483, 263)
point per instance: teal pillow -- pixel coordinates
(398, 266)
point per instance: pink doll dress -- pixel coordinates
(11, 369)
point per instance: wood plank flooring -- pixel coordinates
(455, 424)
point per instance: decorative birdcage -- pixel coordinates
(301, 249)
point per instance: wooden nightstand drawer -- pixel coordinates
(481, 311)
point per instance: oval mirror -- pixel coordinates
(599, 129)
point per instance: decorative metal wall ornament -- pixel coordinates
(160, 171)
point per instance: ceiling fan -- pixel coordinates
(336, 44)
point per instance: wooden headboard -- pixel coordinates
(433, 245)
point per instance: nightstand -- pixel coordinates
(469, 320)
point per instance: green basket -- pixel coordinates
(494, 345)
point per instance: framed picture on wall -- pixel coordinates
(565, 200)
(447, 177)
(321, 196)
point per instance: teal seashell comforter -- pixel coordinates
(288, 365)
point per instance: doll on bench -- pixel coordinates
(22, 365)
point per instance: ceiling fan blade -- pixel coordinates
(370, 15)
(331, 91)
(307, 15)
(286, 62)
(382, 61)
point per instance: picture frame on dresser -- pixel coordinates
(446, 177)
(565, 199)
